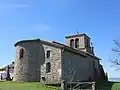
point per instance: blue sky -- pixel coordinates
(54, 19)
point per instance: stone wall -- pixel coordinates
(55, 59)
(65, 65)
(28, 68)
(76, 67)
(3, 75)
(3, 71)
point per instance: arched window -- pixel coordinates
(48, 54)
(72, 43)
(48, 67)
(21, 53)
(87, 43)
(76, 43)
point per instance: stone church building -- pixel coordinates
(39, 60)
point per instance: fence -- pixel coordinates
(78, 85)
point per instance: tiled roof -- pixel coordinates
(81, 52)
(76, 35)
(59, 45)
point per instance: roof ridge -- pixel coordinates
(77, 50)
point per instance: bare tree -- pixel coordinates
(116, 59)
(69, 76)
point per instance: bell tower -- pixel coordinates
(80, 42)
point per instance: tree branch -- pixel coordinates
(116, 60)
(117, 43)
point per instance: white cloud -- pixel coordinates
(14, 6)
(35, 30)
(41, 27)
(21, 6)
(61, 3)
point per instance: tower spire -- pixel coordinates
(77, 31)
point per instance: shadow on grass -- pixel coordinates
(108, 85)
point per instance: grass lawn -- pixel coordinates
(109, 86)
(38, 86)
(24, 86)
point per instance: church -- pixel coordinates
(39, 60)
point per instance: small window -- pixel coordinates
(76, 43)
(12, 67)
(48, 54)
(87, 43)
(21, 53)
(72, 43)
(43, 78)
(48, 67)
(13, 62)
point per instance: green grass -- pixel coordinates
(109, 86)
(24, 86)
(39, 86)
